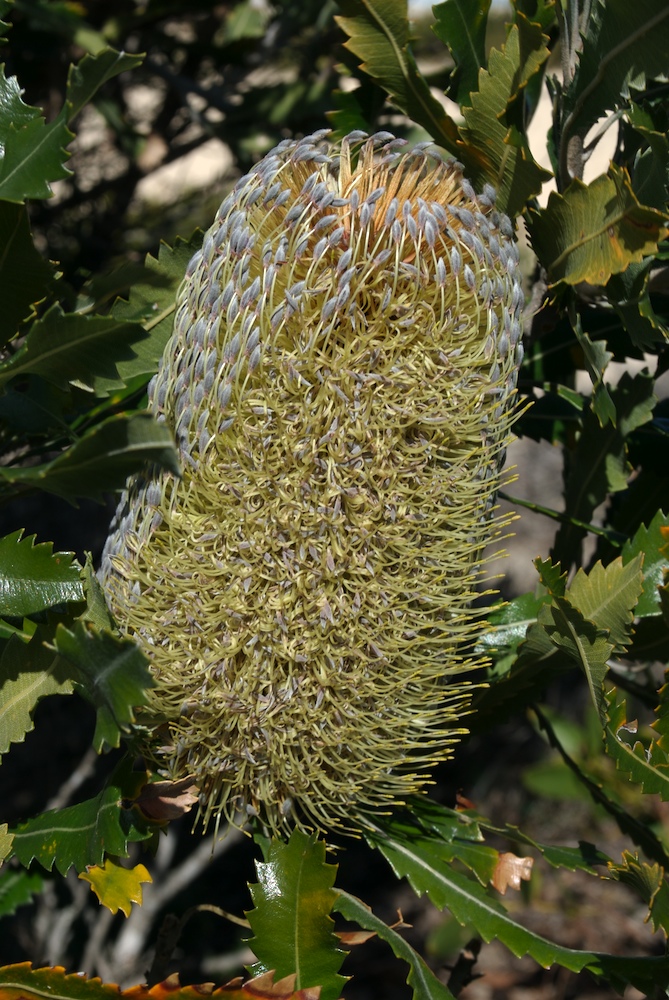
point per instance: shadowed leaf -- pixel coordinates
(111, 672)
(650, 884)
(16, 887)
(461, 25)
(646, 766)
(423, 981)
(22, 269)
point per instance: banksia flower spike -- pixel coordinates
(341, 384)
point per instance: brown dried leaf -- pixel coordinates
(511, 870)
(163, 801)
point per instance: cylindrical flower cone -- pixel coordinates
(341, 385)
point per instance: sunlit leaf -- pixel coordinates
(116, 887)
(608, 596)
(650, 542)
(102, 460)
(6, 839)
(461, 25)
(647, 767)
(81, 835)
(492, 148)
(378, 33)
(34, 157)
(16, 887)
(34, 577)
(112, 672)
(291, 920)
(650, 884)
(423, 981)
(71, 349)
(22, 269)
(595, 230)
(28, 672)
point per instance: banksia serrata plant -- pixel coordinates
(341, 385)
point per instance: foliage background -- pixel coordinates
(247, 76)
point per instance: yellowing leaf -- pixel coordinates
(6, 839)
(511, 871)
(595, 230)
(116, 887)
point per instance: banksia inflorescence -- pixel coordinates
(341, 384)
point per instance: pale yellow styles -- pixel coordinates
(341, 384)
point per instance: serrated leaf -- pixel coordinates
(608, 596)
(33, 577)
(97, 611)
(291, 920)
(70, 349)
(81, 835)
(111, 672)
(14, 113)
(116, 887)
(629, 295)
(622, 41)
(17, 888)
(86, 77)
(28, 672)
(650, 884)
(378, 33)
(596, 358)
(152, 303)
(102, 460)
(649, 768)
(652, 544)
(34, 156)
(423, 981)
(599, 465)
(22, 269)
(22, 982)
(491, 147)
(461, 25)
(471, 904)
(595, 230)
(551, 576)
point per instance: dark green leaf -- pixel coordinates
(551, 576)
(5, 7)
(471, 904)
(28, 672)
(622, 41)
(91, 72)
(596, 358)
(71, 349)
(291, 920)
(423, 981)
(461, 25)
(34, 156)
(378, 33)
(151, 303)
(22, 269)
(652, 543)
(492, 148)
(16, 889)
(83, 834)
(594, 230)
(580, 639)
(102, 460)
(509, 623)
(34, 577)
(111, 672)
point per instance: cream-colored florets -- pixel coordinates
(340, 383)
